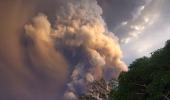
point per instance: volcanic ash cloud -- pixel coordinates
(81, 35)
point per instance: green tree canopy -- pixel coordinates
(147, 78)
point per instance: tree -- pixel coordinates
(147, 79)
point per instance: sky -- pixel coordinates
(142, 26)
(52, 49)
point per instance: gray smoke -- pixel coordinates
(79, 30)
(52, 58)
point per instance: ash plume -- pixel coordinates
(80, 30)
(30, 66)
(50, 59)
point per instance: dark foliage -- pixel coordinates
(147, 78)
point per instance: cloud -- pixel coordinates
(40, 29)
(70, 96)
(30, 67)
(73, 44)
(117, 11)
(151, 39)
(87, 32)
(135, 27)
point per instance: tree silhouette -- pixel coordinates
(147, 79)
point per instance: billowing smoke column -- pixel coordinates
(81, 35)
(75, 51)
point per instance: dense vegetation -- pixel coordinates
(147, 78)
